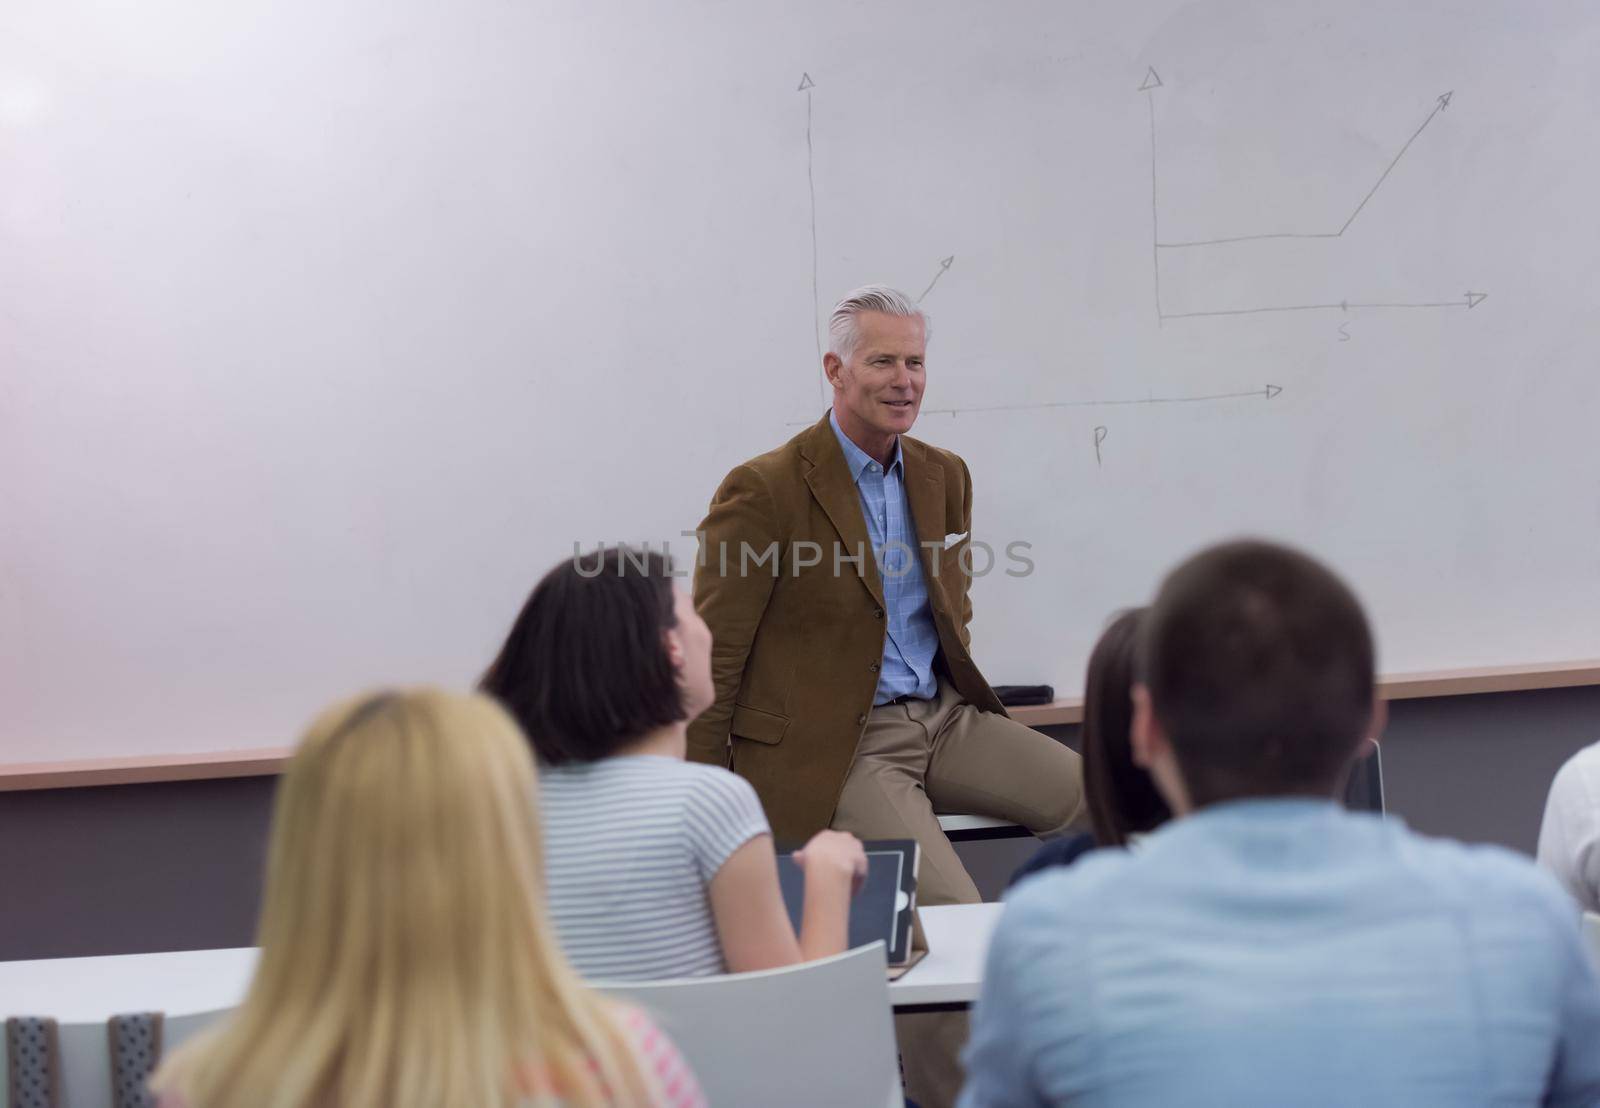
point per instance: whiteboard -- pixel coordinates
(325, 328)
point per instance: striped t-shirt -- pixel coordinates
(631, 845)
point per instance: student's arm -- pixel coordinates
(1575, 1070)
(1576, 1077)
(732, 602)
(748, 905)
(1569, 837)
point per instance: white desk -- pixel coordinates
(952, 973)
(91, 990)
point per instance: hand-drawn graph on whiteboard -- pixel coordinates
(1265, 391)
(1162, 244)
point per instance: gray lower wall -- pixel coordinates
(1478, 767)
(1474, 768)
(128, 869)
(177, 865)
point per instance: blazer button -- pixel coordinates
(878, 614)
(861, 719)
(874, 667)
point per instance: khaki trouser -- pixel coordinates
(943, 755)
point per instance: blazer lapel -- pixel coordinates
(830, 483)
(925, 491)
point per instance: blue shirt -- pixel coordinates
(1280, 952)
(912, 641)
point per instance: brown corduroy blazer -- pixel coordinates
(797, 648)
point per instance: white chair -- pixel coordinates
(1591, 932)
(807, 1035)
(177, 1030)
(84, 1064)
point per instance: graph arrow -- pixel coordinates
(944, 266)
(1468, 301)
(1267, 392)
(1152, 81)
(806, 85)
(1440, 104)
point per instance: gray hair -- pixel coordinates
(844, 334)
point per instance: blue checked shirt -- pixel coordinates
(912, 641)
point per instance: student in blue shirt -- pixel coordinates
(1269, 947)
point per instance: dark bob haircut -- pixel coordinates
(1260, 668)
(1122, 798)
(585, 668)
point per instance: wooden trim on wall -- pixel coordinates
(1395, 686)
(267, 761)
(1054, 714)
(85, 772)
(1489, 679)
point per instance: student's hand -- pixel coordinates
(833, 854)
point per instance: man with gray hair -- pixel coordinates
(834, 574)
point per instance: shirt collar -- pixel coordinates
(858, 459)
(1272, 819)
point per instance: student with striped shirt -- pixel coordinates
(657, 867)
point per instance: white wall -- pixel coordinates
(325, 329)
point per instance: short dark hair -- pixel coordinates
(1260, 669)
(585, 670)
(1123, 800)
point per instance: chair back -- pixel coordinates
(816, 1033)
(84, 1072)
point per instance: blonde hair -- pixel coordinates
(406, 955)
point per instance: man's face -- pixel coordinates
(881, 383)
